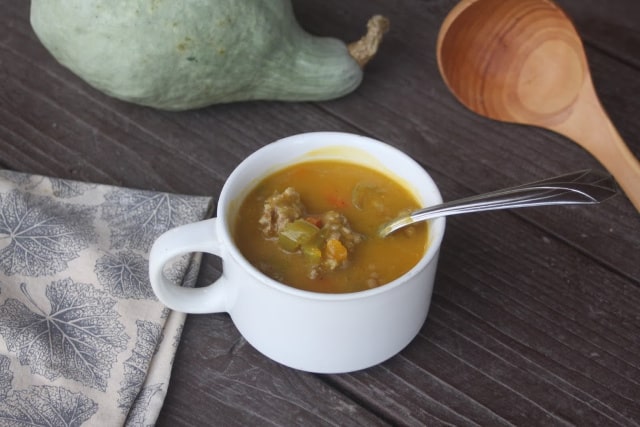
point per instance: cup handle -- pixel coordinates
(195, 237)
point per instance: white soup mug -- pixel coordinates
(316, 332)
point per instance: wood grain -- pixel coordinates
(534, 320)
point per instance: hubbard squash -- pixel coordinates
(184, 54)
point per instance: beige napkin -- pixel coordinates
(83, 340)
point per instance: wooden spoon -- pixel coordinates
(522, 61)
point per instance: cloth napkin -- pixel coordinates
(83, 340)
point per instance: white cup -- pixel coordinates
(310, 331)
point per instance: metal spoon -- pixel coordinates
(582, 187)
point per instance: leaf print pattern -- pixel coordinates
(125, 275)
(148, 339)
(138, 414)
(73, 283)
(191, 276)
(176, 342)
(6, 376)
(180, 270)
(78, 339)
(46, 406)
(138, 217)
(21, 179)
(66, 189)
(177, 336)
(38, 236)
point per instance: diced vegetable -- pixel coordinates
(313, 253)
(336, 250)
(365, 195)
(297, 233)
(336, 201)
(315, 220)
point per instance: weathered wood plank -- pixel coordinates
(534, 318)
(240, 387)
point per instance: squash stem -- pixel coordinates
(365, 49)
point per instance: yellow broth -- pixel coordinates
(364, 196)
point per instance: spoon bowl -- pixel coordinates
(522, 61)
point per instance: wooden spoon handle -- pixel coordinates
(590, 126)
(622, 164)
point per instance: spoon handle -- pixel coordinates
(582, 187)
(591, 127)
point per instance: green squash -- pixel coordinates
(184, 54)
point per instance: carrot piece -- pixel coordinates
(336, 201)
(317, 221)
(336, 250)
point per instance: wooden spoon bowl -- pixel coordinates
(522, 61)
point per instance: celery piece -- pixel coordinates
(312, 252)
(296, 233)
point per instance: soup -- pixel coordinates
(313, 226)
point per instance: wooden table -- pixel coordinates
(535, 318)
